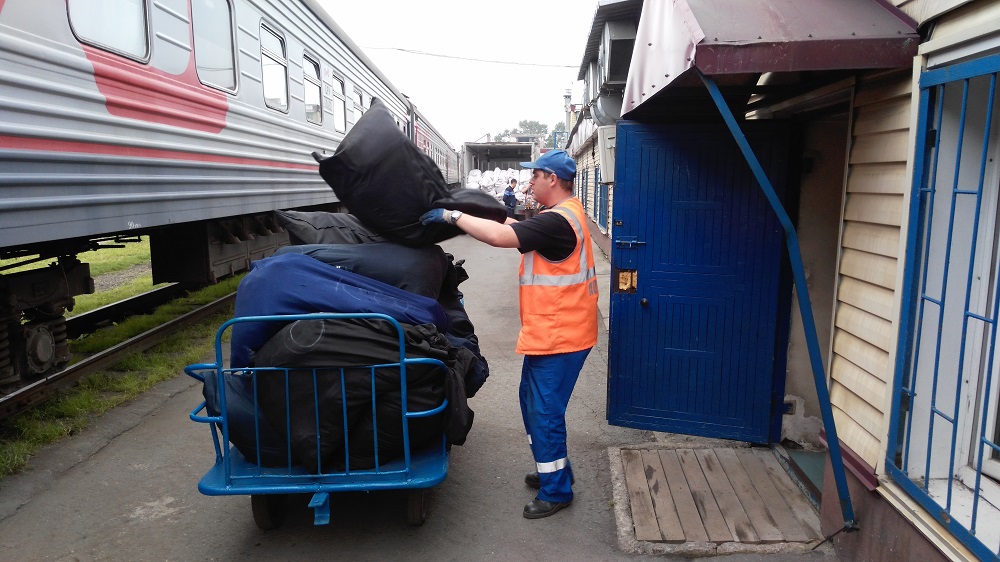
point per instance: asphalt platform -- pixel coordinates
(126, 487)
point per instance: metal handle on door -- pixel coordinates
(644, 302)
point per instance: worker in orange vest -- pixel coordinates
(558, 297)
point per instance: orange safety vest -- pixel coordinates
(559, 298)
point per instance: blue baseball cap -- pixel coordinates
(554, 162)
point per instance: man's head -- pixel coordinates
(552, 176)
(555, 162)
(513, 182)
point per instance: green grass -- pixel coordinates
(103, 339)
(137, 286)
(71, 411)
(110, 260)
(106, 260)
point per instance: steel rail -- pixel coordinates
(86, 322)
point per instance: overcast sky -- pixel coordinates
(465, 99)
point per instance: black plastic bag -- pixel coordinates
(387, 182)
(318, 227)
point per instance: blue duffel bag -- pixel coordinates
(299, 284)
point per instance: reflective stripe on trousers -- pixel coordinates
(547, 382)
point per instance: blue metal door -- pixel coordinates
(696, 337)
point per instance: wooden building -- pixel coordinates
(879, 123)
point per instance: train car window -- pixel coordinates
(313, 90)
(358, 100)
(214, 55)
(339, 105)
(114, 25)
(275, 69)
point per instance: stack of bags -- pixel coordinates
(472, 181)
(378, 259)
(496, 180)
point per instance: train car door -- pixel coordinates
(696, 337)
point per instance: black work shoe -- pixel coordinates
(531, 479)
(536, 508)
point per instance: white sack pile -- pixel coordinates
(496, 180)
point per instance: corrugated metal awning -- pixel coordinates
(607, 10)
(748, 37)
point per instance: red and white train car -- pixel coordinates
(185, 120)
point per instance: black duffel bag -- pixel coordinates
(387, 182)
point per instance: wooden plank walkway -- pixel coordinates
(721, 495)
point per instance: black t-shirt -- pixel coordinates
(549, 234)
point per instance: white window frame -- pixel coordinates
(232, 39)
(280, 59)
(308, 81)
(947, 349)
(142, 58)
(358, 99)
(337, 97)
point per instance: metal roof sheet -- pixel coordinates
(607, 10)
(728, 37)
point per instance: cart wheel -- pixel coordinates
(417, 508)
(268, 510)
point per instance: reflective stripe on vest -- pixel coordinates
(585, 273)
(558, 298)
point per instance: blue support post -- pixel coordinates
(556, 135)
(320, 503)
(805, 307)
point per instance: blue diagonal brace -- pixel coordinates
(805, 307)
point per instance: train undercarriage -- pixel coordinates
(33, 303)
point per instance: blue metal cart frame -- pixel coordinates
(234, 474)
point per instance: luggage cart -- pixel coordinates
(269, 486)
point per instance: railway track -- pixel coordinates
(140, 304)
(41, 389)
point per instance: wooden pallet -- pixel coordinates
(715, 495)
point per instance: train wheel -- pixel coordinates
(268, 510)
(417, 506)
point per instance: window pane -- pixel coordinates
(313, 93)
(310, 69)
(213, 43)
(357, 98)
(340, 115)
(275, 74)
(275, 84)
(117, 24)
(272, 43)
(314, 106)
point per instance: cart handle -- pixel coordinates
(427, 361)
(190, 370)
(428, 413)
(203, 419)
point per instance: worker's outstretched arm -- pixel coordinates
(484, 230)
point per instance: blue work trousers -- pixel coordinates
(547, 382)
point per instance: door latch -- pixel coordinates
(629, 242)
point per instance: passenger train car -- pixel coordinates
(185, 120)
